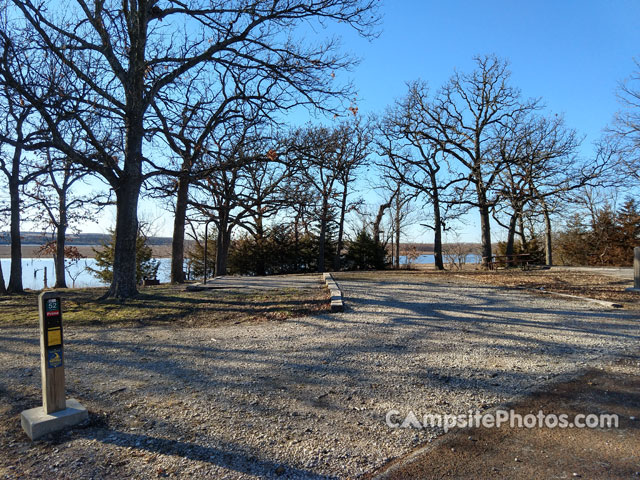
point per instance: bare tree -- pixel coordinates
(193, 134)
(355, 146)
(328, 158)
(464, 119)
(3, 285)
(414, 159)
(541, 170)
(626, 127)
(266, 180)
(400, 217)
(20, 132)
(218, 205)
(119, 58)
(244, 187)
(52, 193)
(301, 201)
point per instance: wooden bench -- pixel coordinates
(150, 281)
(521, 260)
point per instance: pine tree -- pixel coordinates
(195, 256)
(146, 266)
(572, 245)
(629, 220)
(365, 253)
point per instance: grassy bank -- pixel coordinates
(169, 304)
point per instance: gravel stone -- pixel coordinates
(301, 398)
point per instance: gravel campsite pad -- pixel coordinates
(298, 398)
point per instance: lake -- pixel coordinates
(33, 271)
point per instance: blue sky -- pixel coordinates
(572, 54)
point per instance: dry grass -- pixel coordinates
(169, 304)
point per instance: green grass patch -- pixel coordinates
(169, 304)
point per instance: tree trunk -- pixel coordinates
(547, 235)
(3, 288)
(391, 247)
(129, 181)
(261, 268)
(15, 278)
(343, 210)
(296, 244)
(437, 225)
(323, 233)
(485, 220)
(511, 236)
(177, 242)
(123, 284)
(397, 232)
(222, 253)
(222, 247)
(523, 237)
(61, 235)
(376, 224)
(485, 228)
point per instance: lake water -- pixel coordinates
(33, 271)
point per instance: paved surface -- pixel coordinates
(233, 282)
(301, 398)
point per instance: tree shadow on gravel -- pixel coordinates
(340, 371)
(231, 457)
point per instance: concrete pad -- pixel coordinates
(245, 283)
(337, 304)
(36, 423)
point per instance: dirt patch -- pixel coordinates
(543, 452)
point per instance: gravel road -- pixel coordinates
(302, 398)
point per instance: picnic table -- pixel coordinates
(521, 260)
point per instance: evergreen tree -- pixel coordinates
(629, 220)
(146, 266)
(571, 244)
(195, 256)
(365, 253)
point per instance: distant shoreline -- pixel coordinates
(31, 251)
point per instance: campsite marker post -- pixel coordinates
(636, 271)
(56, 412)
(636, 268)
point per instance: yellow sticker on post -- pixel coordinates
(54, 337)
